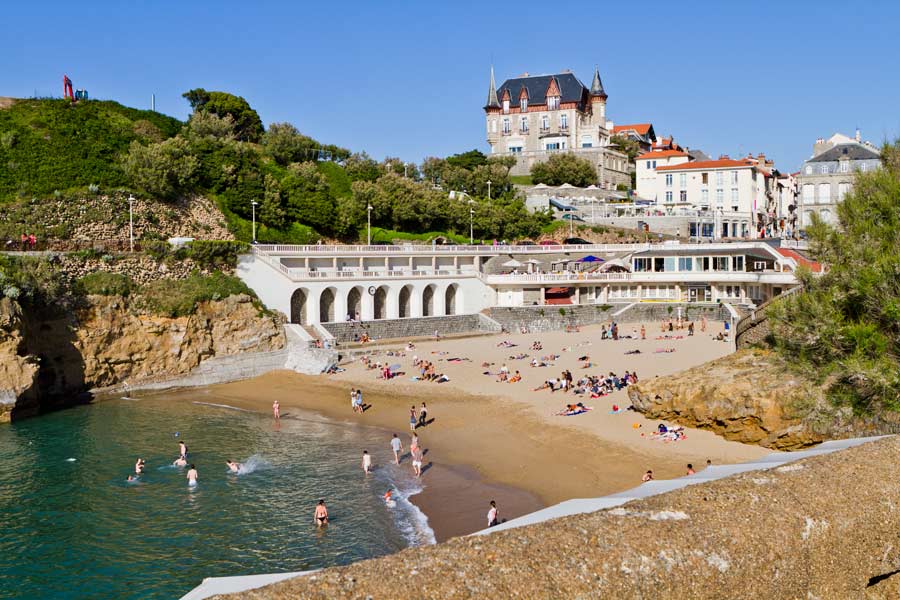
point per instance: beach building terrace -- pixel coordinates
(333, 284)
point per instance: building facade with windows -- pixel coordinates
(645, 166)
(828, 175)
(738, 194)
(642, 133)
(532, 117)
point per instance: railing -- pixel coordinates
(758, 315)
(494, 250)
(644, 277)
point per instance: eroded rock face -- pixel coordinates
(746, 397)
(17, 371)
(48, 362)
(119, 345)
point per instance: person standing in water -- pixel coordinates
(397, 447)
(139, 466)
(423, 415)
(366, 462)
(180, 462)
(182, 449)
(321, 517)
(412, 417)
(413, 443)
(192, 475)
(276, 410)
(493, 516)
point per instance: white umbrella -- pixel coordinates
(566, 186)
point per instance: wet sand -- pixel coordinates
(503, 441)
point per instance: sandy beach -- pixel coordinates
(503, 441)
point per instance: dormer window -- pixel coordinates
(553, 103)
(505, 106)
(523, 104)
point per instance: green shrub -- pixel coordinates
(156, 249)
(106, 284)
(179, 298)
(216, 253)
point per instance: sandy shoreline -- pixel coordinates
(502, 441)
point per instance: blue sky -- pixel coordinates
(409, 79)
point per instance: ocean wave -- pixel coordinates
(221, 406)
(254, 463)
(409, 519)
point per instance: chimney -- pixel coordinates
(858, 137)
(724, 157)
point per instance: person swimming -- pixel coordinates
(132, 478)
(139, 466)
(192, 475)
(179, 462)
(234, 467)
(321, 516)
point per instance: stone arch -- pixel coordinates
(428, 300)
(326, 306)
(354, 302)
(451, 300)
(298, 306)
(380, 311)
(404, 301)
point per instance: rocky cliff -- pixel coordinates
(49, 361)
(752, 396)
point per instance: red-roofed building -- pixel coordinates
(740, 194)
(642, 133)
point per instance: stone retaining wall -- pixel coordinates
(536, 319)
(412, 327)
(658, 311)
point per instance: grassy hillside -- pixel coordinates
(49, 145)
(56, 156)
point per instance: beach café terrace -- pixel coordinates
(319, 284)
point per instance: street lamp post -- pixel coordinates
(369, 225)
(130, 223)
(253, 205)
(471, 225)
(489, 189)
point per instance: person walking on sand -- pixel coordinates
(276, 410)
(423, 415)
(366, 462)
(413, 443)
(643, 333)
(412, 418)
(417, 462)
(192, 475)
(397, 447)
(321, 515)
(493, 516)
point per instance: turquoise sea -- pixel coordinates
(72, 527)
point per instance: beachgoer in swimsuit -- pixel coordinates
(648, 476)
(180, 462)
(234, 467)
(276, 410)
(417, 462)
(413, 443)
(493, 516)
(321, 517)
(412, 418)
(182, 448)
(690, 469)
(366, 461)
(192, 475)
(139, 466)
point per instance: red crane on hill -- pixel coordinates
(68, 92)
